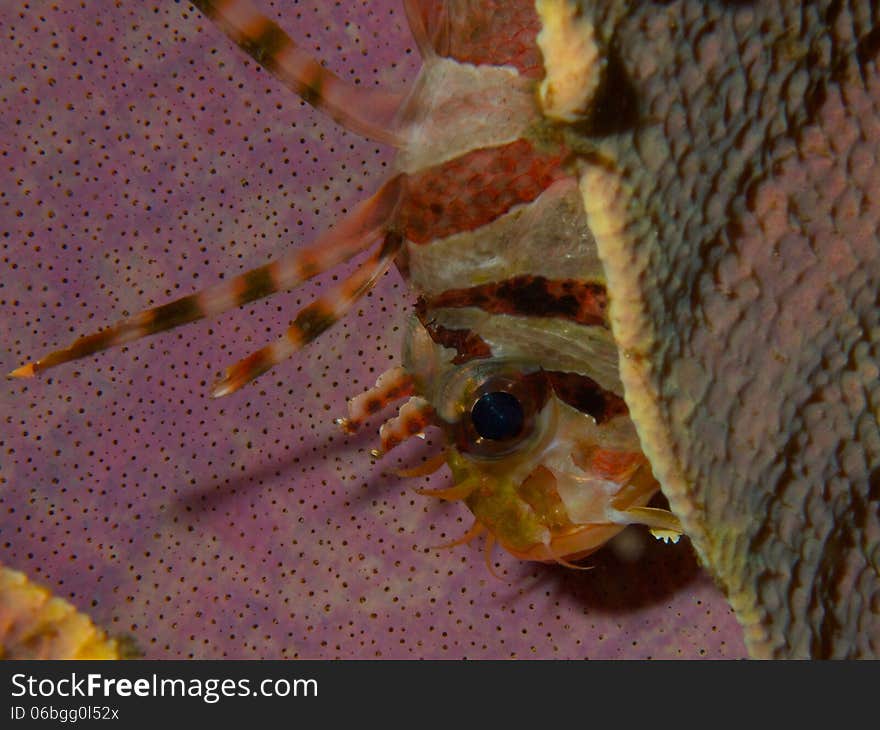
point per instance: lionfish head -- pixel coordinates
(548, 461)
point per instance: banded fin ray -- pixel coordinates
(367, 112)
(314, 319)
(358, 230)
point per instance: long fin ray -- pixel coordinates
(362, 227)
(314, 319)
(365, 111)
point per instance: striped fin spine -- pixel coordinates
(314, 319)
(412, 419)
(365, 225)
(367, 112)
(391, 386)
(494, 32)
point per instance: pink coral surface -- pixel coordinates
(143, 157)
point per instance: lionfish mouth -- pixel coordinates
(585, 510)
(555, 515)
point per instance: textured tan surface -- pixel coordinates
(735, 202)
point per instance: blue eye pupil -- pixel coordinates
(498, 416)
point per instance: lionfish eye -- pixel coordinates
(498, 416)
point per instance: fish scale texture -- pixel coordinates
(742, 256)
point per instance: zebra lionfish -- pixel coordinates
(509, 351)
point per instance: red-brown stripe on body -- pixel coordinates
(586, 395)
(469, 345)
(475, 188)
(495, 32)
(533, 296)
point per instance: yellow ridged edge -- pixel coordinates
(34, 624)
(607, 201)
(573, 63)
